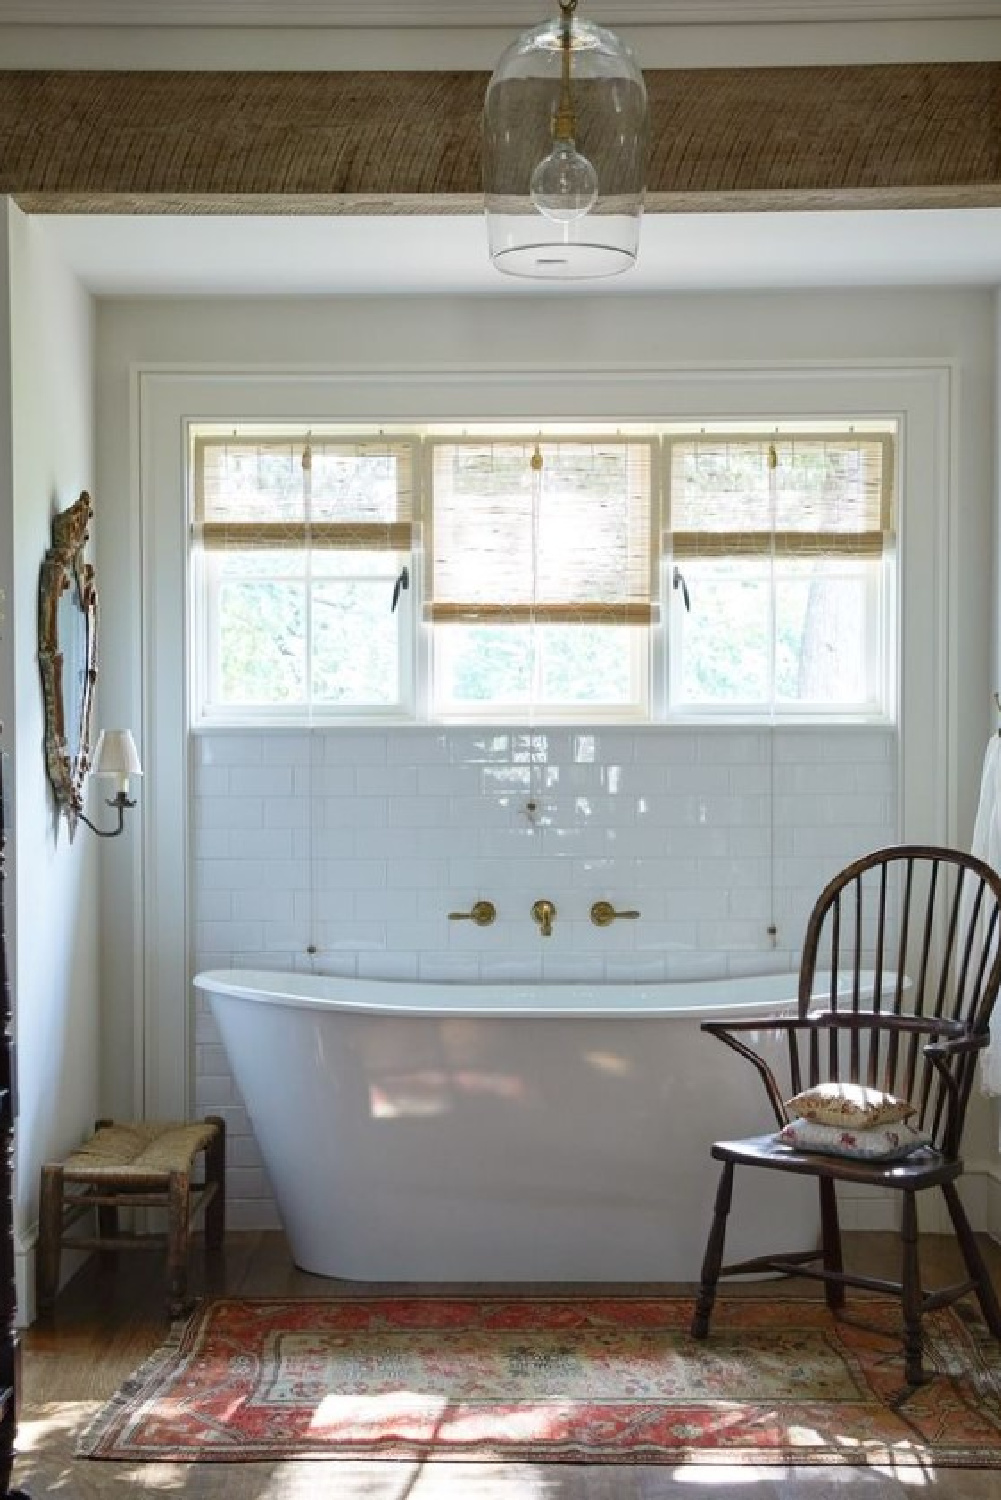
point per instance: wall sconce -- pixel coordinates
(116, 756)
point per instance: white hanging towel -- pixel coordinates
(987, 844)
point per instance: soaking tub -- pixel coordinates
(503, 1132)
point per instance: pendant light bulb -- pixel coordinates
(564, 185)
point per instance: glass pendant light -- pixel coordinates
(564, 152)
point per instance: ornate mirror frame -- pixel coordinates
(67, 655)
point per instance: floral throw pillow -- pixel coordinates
(883, 1143)
(849, 1104)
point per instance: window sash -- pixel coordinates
(872, 576)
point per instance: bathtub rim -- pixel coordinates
(697, 999)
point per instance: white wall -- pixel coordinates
(604, 340)
(54, 897)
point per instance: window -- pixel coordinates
(779, 549)
(436, 574)
(303, 548)
(541, 575)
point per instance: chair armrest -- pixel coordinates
(954, 1048)
(939, 1054)
(724, 1032)
(868, 1020)
(755, 1023)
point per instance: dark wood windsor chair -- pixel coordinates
(900, 970)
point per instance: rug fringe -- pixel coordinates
(131, 1388)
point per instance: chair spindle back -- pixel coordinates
(902, 949)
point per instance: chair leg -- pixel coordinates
(50, 1233)
(975, 1265)
(178, 1226)
(714, 1255)
(830, 1230)
(215, 1172)
(911, 1292)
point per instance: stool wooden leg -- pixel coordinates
(50, 1233)
(178, 1225)
(215, 1173)
(107, 1214)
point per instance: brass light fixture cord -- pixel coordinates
(565, 124)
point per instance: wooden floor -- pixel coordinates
(106, 1324)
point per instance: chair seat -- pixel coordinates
(925, 1167)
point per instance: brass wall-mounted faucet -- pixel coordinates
(544, 912)
(481, 912)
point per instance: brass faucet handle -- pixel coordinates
(481, 912)
(603, 914)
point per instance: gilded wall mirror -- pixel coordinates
(67, 655)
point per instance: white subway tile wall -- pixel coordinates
(360, 842)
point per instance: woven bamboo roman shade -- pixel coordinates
(274, 492)
(551, 531)
(801, 495)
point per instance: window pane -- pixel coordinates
(358, 486)
(725, 636)
(586, 664)
(820, 634)
(231, 563)
(262, 629)
(355, 655)
(483, 664)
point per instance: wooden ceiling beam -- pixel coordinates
(887, 135)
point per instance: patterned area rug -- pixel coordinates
(572, 1379)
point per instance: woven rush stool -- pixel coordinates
(145, 1165)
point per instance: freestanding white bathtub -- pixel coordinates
(454, 1132)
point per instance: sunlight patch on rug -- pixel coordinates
(572, 1379)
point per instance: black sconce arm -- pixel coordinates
(120, 801)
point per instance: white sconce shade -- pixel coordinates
(565, 142)
(116, 755)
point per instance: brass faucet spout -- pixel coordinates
(544, 913)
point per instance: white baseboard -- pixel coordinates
(992, 1201)
(25, 1248)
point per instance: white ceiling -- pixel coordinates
(217, 255)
